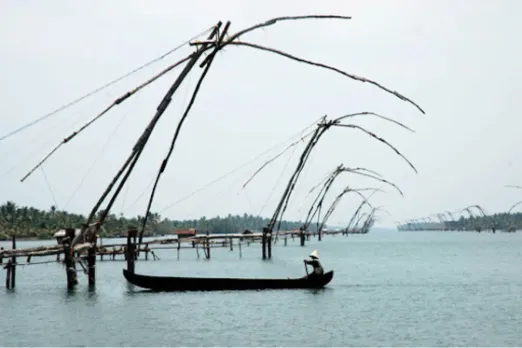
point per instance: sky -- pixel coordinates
(460, 61)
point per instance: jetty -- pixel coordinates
(85, 254)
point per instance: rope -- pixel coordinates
(63, 107)
(32, 263)
(124, 197)
(110, 138)
(139, 197)
(278, 181)
(38, 148)
(237, 168)
(49, 187)
(248, 200)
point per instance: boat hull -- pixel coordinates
(158, 283)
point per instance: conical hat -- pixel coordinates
(314, 254)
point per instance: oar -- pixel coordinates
(306, 268)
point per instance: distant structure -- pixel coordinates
(60, 234)
(186, 232)
(428, 226)
(481, 222)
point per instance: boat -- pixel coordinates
(162, 283)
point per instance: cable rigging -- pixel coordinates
(65, 106)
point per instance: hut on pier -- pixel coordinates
(186, 232)
(60, 234)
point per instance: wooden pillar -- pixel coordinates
(179, 246)
(70, 264)
(269, 244)
(91, 261)
(302, 236)
(146, 251)
(286, 240)
(319, 235)
(13, 264)
(130, 253)
(8, 275)
(135, 242)
(240, 252)
(208, 246)
(263, 242)
(231, 244)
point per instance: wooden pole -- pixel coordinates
(263, 242)
(134, 242)
(302, 237)
(269, 244)
(286, 240)
(208, 247)
(8, 275)
(13, 262)
(91, 261)
(231, 244)
(130, 254)
(70, 265)
(240, 252)
(179, 246)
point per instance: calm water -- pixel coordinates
(389, 289)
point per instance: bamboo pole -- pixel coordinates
(8, 275)
(91, 263)
(142, 141)
(130, 252)
(13, 263)
(70, 266)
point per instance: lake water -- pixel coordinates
(389, 289)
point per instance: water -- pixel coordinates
(389, 289)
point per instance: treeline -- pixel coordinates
(28, 222)
(500, 221)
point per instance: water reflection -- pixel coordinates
(70, 294)
(131, 288)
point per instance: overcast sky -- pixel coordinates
(459, 60)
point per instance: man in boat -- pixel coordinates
(314, 262)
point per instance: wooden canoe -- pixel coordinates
(160, 283)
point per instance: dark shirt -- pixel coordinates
(318, 269)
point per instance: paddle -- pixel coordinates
(306, 268)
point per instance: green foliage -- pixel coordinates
(501, 221)
(27, 222)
